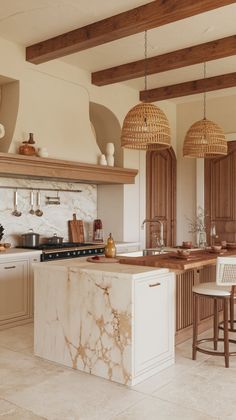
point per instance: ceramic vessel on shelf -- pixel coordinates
(102, 160)
(2, 131)
(110, 248)
(110, 149)
(42, 152)
(26, 148)
(187, 244)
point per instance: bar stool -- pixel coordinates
(223, 290)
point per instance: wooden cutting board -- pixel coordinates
(76, 230)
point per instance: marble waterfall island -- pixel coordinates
(112, 320)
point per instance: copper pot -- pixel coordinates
(27, 149)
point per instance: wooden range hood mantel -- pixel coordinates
(19, 166)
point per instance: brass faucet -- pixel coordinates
(155, 219)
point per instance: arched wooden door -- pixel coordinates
(220, 194)
(161, 195)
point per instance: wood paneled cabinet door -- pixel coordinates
(161, 195)
(220, 194)
(14, 292)
(153, 321)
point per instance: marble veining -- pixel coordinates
(55, 217)
(86, 326)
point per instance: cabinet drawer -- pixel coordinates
(14, 300)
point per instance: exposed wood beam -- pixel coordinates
(151, 15)
(213, 50)
(189, 88)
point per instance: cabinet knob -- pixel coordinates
(10, 267)
(154, 285)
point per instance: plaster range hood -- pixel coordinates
(19, 166)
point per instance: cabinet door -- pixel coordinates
(14, 301)
(153, 322)
(32, 260)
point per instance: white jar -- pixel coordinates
(42, 152)
(102, 160)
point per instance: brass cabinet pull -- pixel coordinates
(154, 285)
(10, 267)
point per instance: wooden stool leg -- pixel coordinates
(195, 325)
(226, 333)
(216, 323)
(232, 311)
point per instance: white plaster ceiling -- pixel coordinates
(30, 21)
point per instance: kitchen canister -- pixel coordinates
(42, 152)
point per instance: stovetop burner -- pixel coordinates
(69, 250)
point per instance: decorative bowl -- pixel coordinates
(216, 248)
(183, 252)
(187, 244)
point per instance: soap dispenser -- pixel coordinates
(110, 248)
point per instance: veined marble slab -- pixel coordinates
(84, 315)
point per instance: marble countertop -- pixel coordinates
(82, 263)
(18, 252)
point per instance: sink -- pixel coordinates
(143, 252)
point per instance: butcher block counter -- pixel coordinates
(171, 260)
(199, 267)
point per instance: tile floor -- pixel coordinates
(31, 388)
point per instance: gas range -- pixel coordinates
(69, 250)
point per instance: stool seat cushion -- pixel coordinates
(211, 289)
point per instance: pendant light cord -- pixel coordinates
(145, 60)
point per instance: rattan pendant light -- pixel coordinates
(146, 126)
(205, 138)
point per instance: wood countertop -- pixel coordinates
(170, 260)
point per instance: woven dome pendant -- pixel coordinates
(205, 138)
(145, 127)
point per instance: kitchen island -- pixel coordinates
(199, 267)
(112, 320)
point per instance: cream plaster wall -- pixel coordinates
(54, 105)
(190, 172)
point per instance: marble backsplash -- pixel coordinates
(55, 217)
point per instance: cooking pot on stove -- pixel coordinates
(55, 239)
(30, 239)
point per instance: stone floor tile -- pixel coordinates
(9, 411)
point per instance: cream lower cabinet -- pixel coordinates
(16, 291)
(153, 324)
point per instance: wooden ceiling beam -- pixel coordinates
(189, 88)
(148, 16)
(208, 51)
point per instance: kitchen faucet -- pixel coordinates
(156, 220)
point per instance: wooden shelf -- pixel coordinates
(19, 166)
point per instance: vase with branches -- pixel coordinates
(197, 225)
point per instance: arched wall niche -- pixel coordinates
(9, 105)
(107, 129)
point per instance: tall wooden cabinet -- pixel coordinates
(161, 194)
(220, 194)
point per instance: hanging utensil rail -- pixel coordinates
(39, 188)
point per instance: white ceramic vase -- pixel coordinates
(110, 149)
(102, 160)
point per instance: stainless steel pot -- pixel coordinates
(30, 239)
(55, 239)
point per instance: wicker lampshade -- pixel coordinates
(145, 127)
(205, 139)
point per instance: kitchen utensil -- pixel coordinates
(76, 230)
(16, 212)
(38, 212)
(97, 230)
(30, 239)
(55, 239)
(98, 259)
(31, 211)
